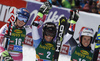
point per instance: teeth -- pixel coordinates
(85, 43)
(21, 23)
(48, 37)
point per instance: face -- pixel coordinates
(48, 38)
(54, 0)
(20, 23)
(98, 5)
(86, 40)
(94, 10)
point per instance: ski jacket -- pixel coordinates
(16, 41)
(81, 54)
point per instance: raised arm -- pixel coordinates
(40, 18)
(74, 15)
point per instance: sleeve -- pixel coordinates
(2, 33)
(28, 30)
(69, 38)
(69, 35)
(36, 24)
(35, 36)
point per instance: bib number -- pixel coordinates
(81, 59)
(18, 41)
(48, 54)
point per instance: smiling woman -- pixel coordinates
(86, 36)
(17, 37)
(49, 31)
(83, 51)
(86, 40)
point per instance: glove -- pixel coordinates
(44, 9)
(6, 56)
(39, 21)
(74, 16)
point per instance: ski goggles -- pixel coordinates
(22, 18)
(48, 33)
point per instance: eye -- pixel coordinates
(84, 38)
(89, 39)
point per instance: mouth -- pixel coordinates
(20, 23)
(48, 37)
(85, 44)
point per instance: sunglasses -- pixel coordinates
(50, 34)
(22, 18)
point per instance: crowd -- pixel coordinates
(92, 6)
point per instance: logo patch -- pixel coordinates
(84, 52)
(17, 31)
(17, 48)
(40, 53)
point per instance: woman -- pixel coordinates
(14, 51)
(81, 51)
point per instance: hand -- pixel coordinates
(38, 21)
(44, 9)
(74, 16)
(6, 56)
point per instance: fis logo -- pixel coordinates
(49, 45)
(84, 52)
(17, 31)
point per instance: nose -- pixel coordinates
(22, 20)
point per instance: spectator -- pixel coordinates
(94, 4)
(72, 2)
(83, 2)
(66, 4)
(77, 5)
(94, 10)
(86, 7)
(55, 2)
(98, 11)
(98, 7)
(98, 1)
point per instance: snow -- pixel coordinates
(29, 54)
